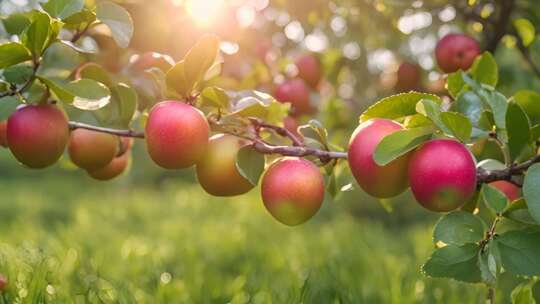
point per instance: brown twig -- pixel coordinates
(323, 155)
(125, 133)
(279, 130)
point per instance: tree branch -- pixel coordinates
(527, 56)
(500, 25)
(124, 133)
(16, 91)
(485, 176)
(323, 155)
(279, 130)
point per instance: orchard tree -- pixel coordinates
(469, 153)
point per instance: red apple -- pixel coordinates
(176, 134)
(309, 69)
(442, 174)
(378, 181)
(408, 77)
(295, 92)
(456, 52)
(292, 190)
(37, 135)
(511, 191)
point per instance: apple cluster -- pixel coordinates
(441, 173)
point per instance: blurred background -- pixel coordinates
(154, 236)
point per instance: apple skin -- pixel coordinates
(456, 51)
(408, 77)
(442, 174)
(296, 92)
(113, 169)
(92, 150)
(126, 143)
(176, 134)
(217, 172)
(3, 134)
(378, 181)
(292, 190)
(511, 191)
(37, 135)
(309, 69)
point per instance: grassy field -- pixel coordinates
(112, 243)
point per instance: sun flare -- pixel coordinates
(204, 12)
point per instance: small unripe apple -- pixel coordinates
(37, 135)
(217, 172)
(511, 191)
(176, 135)
(92, 150)
(3, 134)
(378, 181)
(309, 69)
(292, 190)
(456, 51)
(295, 92)
(113, 169)
(408, 77)
(442, 174)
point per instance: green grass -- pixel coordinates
(72, 241)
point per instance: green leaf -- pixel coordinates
(200, 58)
(13, 53)
(15, 24)
(215, 96)
(84, 94)
(458, 125)
(95, 72)
(260, 105)
(519, 211)
(118, 20)
(523, 293)
(494, 199)
(432, 110)
(63, 8)
(456, 262)
(498, 104)
(80, 19)
(316, 131)
(531, 191)
(399, 143)
(458, 228)
(176, 80)
(18, 74)
(455, 83)
(8, 105)
(520, 252)
(525, 30)
(127, 99)
(470, 105)
(519, 131)
(397, 106)
(485, 69)
(250, 164)
(37, 35)
(488, 266)
(530, 103)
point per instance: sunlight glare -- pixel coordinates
(204, 12)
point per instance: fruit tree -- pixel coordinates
(463, 144)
